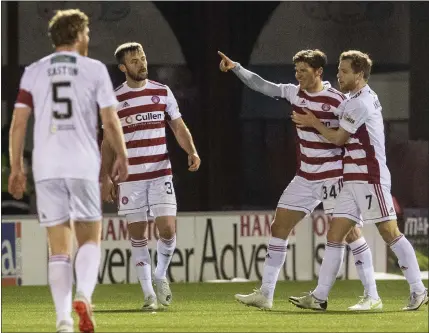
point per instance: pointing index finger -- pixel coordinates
(223, 56)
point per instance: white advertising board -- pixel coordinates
(210, 246)
(24, 253)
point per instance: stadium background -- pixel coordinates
(246, 140)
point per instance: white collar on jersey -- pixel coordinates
(67, 51)
(326, 85)
(136, 89)
(365, 87)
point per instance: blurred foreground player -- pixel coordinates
(145, 109)
(63, 89)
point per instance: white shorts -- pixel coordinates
(365, 203)
(137, 198)
(304, 195)
(59, 200)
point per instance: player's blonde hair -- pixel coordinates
(123, 49)
(65, 25)
(314, 58)
(360, 62)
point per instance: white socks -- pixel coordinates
(274, 260)
(60, 276)
(364, 267)
(87, 264)
(165, 249)
(408, 263)
(331, 264)
(141, 258)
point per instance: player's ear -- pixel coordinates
(122, 68)
(359, 76)
(319, 71)
(80, 36)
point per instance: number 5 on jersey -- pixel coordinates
(65, 100)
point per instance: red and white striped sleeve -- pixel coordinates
(172, 107)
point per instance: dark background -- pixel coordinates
(246, 140)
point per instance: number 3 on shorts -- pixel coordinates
(169, 188)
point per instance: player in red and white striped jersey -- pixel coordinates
(366, 196)
(145, 108)
(63, 90)
(319, 171)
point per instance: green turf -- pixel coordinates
(211, 308)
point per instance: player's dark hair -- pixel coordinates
(65, 25)
(360, 62)
(123, 49)
(314, 58)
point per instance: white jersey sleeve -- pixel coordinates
(25, 97)
(354, 115)
(105, 93)
(172, 107)
(289, 91)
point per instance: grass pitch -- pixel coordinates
(204, 307)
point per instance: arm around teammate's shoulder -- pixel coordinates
(354, 115)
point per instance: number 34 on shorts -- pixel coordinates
(332, 191)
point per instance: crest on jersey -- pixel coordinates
(326, 107)
(124, 200)
(155, 99)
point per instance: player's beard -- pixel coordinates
(138, 77)
(347, 87)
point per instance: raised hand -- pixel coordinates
(226, 64)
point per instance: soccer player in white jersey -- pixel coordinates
(63, 90)
(145, 109)
(319, 173)
(365, 197)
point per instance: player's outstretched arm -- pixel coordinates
(250, 79)
(115, 138)
(336, 136)
(184, 138)
(17, 179)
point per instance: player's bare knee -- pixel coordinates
(88, 232)
(60, 239)
(388, 230)
(166, 226)
(284, 221)
(338, 230)
(137, 230)
(279, 230)
(335, 236)
(353, 235)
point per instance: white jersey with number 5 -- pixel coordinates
(365, 154)
(65, 91)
